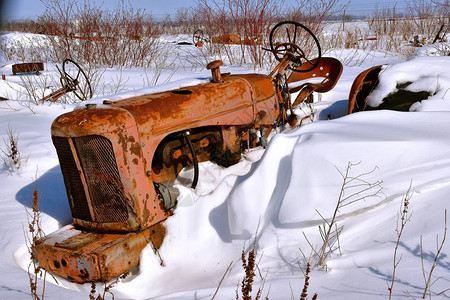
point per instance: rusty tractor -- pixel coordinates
(119, 160)
(33, 67)
(199, 39)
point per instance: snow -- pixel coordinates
(273, 195)
(435, 79)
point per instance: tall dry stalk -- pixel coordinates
(439, 247)
(34, 234)
(221, 280)
(403, 218)
(248, 264)
(354, 188)
(250, 267)
(304, 294)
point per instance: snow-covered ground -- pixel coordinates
(277, 193)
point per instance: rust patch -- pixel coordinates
(94, 257)
(146, 213)
(261, 115)
(167, 110)
(135, 148)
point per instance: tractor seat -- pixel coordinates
(330, 69)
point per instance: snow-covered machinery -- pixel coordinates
(120, 159)
(400, 99)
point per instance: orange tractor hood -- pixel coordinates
(133, 128)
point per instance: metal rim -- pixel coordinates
(198, 37)
(82, 91)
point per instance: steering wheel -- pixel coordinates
(75, 80)
(295, 40)
(198, 37)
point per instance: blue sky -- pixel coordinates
(30, 9)
(20, 9)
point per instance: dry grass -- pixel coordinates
(439, 247)
(248, 264)
(250, 267)
(102, 295)
(34, 234)
(12, 159)
(403, 218)
(304, 294)
(250, 20)
(129, 37)
(355, 188)
(387, 30)
(92, 36)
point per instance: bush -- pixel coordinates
(92, 36)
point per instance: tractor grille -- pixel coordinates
(100, 170)
(74, 187)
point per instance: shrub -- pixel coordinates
(11, 157)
